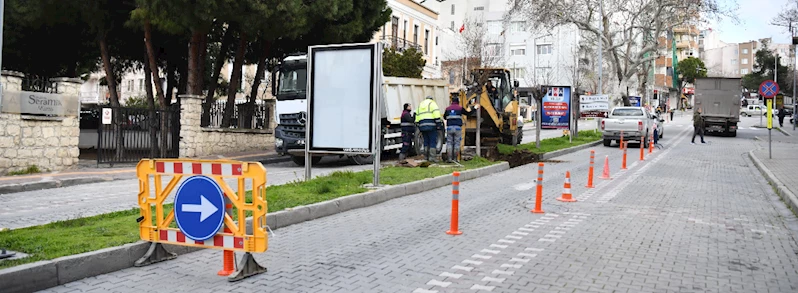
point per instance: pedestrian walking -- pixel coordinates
(408, 132)
(671, 112)
(698, 126)
(782, 113)
(454, 129)
(428, 115)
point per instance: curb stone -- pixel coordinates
(561, 152)
(50, 273)
(790, 198)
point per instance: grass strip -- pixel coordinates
(552, 144)
(81, 235)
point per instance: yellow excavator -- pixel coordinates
(499, 109)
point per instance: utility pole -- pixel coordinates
(600, 55)
(2, 11)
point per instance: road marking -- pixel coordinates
(511, 266)
(498, 246)
(520, 233)
(498, 272)
(547, 218)
(528, 254)
(519, 260)
(481, 287)
(439, 283)
(462, 268)
(490, 251)
(514, 237)
(525, 186)
(506, 241)
(533, 249)
(490, 279)
(420, 290)
(481, 256)
(533, 226)
(526, 229)
(450, 275)
(473, 262)
(557, 232)
(546, 239)
(563, 228)
(552, 236)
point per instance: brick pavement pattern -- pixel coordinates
(784, 164)
(700, 218)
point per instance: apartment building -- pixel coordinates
(534, 57)
(413, 25)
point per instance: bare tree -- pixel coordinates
(625, 28)
(476, 48)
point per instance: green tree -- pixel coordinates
(764, 69)
(409, 63)
(689, 69)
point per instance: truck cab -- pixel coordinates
(290, 89)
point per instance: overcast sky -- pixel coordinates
(754, 17)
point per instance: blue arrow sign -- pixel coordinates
(768, 88)
(199, 207)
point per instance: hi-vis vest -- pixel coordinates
(427, 110)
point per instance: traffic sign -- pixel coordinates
(768, 89)
(199, 208)
(107, 116)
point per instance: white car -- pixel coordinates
(631, 122)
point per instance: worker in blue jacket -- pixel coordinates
(408, 131)
(454, 129)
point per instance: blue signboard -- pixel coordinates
(556, 112)
(199, 207)
(635, 102)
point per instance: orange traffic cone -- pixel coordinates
(566, 189)
(606, 173)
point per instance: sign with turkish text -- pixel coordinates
(635, 102)
(594, 106)
(36, 103)
(556, 112)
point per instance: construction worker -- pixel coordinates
(408, 132)
(428, 115)
(454, 129)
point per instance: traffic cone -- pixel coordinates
(606, 174)
(566, 189)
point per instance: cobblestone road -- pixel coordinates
(691, 218)
(39, 207)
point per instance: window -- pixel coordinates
(492, 49)
(452, 9)
(517, 50)
(384, 28)
(130, 85)
(744, 71)
(744, 61)
(518, 26)
(736, 51)
(404, 33)
(141, 84)
(415, 34)
(734, 61)
(451, 72)
(518, 73)
(544, 49)
(479, 8)
(745, 51)
(426, 42)
(436, 41)
(494, 27)
(451, 25)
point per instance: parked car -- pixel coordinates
(634, 122)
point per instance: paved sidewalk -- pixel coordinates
(83, 175)
(691, 218)
(784, 164)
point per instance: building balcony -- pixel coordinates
(399, 44)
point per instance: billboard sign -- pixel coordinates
(556, 112)
(594, 106)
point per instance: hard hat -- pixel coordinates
(429, 97)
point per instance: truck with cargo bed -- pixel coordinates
(719, 101)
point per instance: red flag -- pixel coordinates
(462, 28)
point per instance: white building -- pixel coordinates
(534, 57)
(413, 25)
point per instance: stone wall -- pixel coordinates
(50, 143)
(196, 141)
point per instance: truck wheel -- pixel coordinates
(419, 142)
(733, 134)
(300, 161)
(607, 142)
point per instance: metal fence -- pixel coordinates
(245, 115)
(135, 134)
(38, 84)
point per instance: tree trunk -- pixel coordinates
(235, 81)
(153, 62)
(251, 109)
(118, 118)
(227, 40)
(152, 120)
(195, 73)
(621, 91)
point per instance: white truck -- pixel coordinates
(633, 122)
(290, 90)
